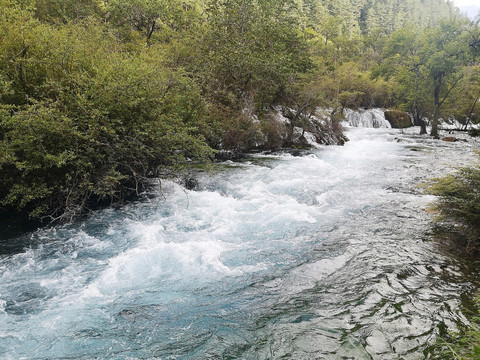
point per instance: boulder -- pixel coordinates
(289, 129)
(453, 139)
(398, 119)
(450, 139)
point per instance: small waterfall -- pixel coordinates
(371, 118)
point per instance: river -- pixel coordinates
(323, 256)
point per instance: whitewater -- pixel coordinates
(322, 256)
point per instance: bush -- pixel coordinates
(465, 344)
(459, 202)
(474, 132)
(82, 122)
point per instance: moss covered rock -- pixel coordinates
(398, 119)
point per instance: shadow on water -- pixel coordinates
(14, 228)
(453, 244)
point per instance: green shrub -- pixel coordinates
(464, 344)
(82, 121)
(459, 202)
(474, 132)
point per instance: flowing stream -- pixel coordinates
(325, 256)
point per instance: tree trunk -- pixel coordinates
(423, 127)
(470, 115)
(436, 95)
(434, 131)
(150, 29)
(417, 118)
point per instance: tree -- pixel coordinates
(463, 104)
(448, 53)
(153, 17)
(83, 122)
(62, 11)
(247, 56)
(428, 65)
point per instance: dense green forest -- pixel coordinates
(96, 97)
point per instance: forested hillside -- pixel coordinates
(98, 96)
(372, 16)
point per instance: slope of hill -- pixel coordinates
(370, 16)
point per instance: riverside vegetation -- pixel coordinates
(458, 212)
(97, 97)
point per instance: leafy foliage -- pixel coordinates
(83, 121)
(459, 202)
(384, 16)
(428, 65)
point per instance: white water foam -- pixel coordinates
(370, 118)
(164, 277)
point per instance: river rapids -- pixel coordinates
(324, 256)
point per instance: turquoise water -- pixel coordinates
(317, 257)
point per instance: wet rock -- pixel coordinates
(297, 152)
(190, 183)
(453, 139)
(398, 119)
(450, 139)
(299, 139)
(304, 131)
(225, 155)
